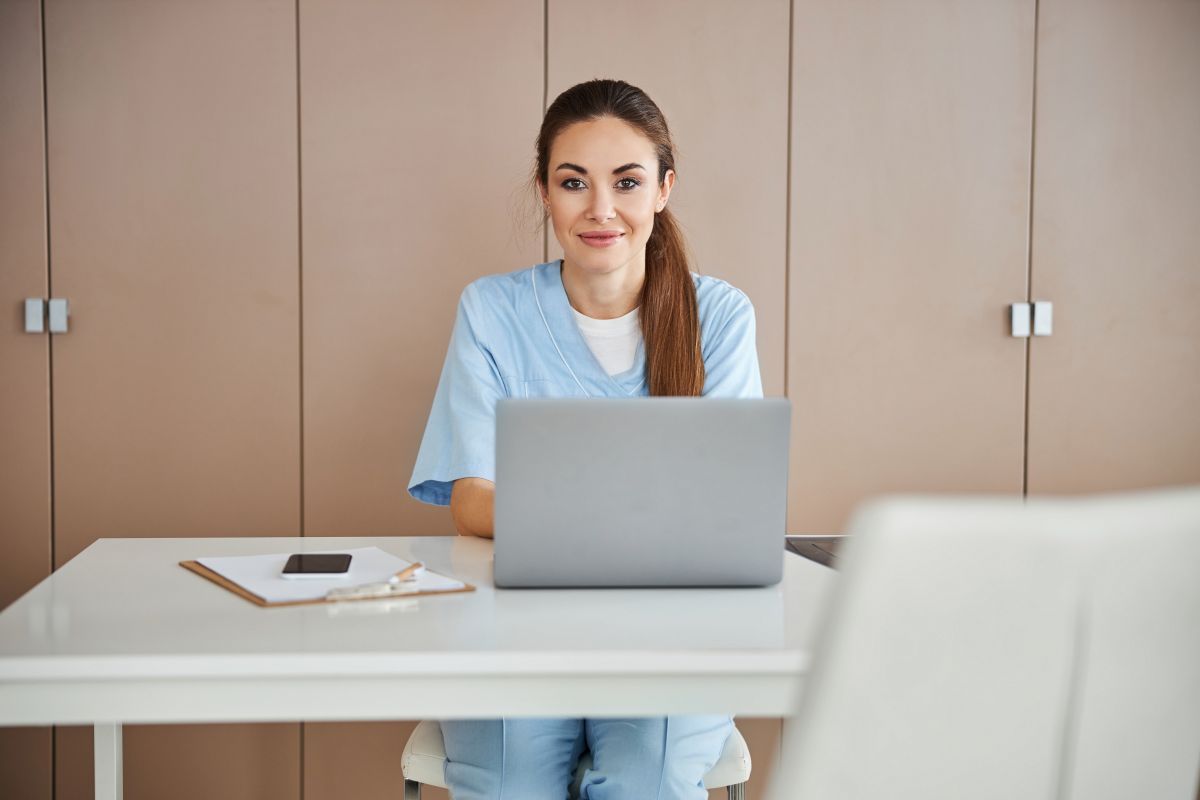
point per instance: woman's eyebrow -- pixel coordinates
(624, 168)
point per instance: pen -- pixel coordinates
(403, 582)
(408, 573)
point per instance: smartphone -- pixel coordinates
(317, 565)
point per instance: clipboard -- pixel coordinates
(246, 594)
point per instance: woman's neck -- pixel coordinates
(604, 295)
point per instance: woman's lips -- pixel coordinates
(601, 239)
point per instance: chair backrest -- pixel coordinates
(992, 648)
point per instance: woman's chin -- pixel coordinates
(597, 263)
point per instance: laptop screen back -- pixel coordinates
(663, 491)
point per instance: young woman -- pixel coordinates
(620, 315)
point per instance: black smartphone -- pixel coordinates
(317, 565)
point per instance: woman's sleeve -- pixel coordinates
(460, 436)
(731, 356)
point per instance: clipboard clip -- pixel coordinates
(403, 582)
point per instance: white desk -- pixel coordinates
(122, 634)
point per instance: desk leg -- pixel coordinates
(110, 770)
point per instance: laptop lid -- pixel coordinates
(660, 491)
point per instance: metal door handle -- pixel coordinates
(1020, 320)
(58, 315)
(1043, 318)
(35, 315)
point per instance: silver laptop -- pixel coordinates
(662, 491)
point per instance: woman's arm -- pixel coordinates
(731, 355)
(471, 503)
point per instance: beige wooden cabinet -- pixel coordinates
(1114, 394)
(909, 217)
(174, 234)
(262, 215)
(719, 72)
(417, 128)
(25, 513)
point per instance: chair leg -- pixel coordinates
(412, 790)
(737, 791)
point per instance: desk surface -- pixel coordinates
(124, 634)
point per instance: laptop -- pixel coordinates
(657, 491)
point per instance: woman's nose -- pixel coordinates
(601, 208)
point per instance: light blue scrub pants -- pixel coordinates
(662, 758)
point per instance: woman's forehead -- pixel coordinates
(602, 144)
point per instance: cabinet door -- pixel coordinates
(1114, 395)
(25, 754)
(719, 72)
(174, 235)
(910, 156)
(418, 121)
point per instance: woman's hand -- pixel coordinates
(471, 503)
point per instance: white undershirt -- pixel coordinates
(613, 341)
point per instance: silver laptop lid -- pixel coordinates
(662, 491)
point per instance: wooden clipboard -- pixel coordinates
(221, 580)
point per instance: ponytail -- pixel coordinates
(669, 316)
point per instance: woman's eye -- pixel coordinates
(625, 184)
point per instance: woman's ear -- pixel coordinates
(664, 191)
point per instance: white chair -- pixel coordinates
(424, 764)
(997, 649)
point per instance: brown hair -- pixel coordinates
(669, 317)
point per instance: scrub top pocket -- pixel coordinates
(518, 386)
(539, 388)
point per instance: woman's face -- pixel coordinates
(602, 194)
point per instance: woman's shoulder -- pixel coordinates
(500, 290)
(716, 298)
(501, 283)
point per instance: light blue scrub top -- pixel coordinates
(515, 336)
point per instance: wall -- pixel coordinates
(263, 215)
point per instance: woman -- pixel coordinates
(620, 315)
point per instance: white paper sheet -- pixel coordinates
(262, 576)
